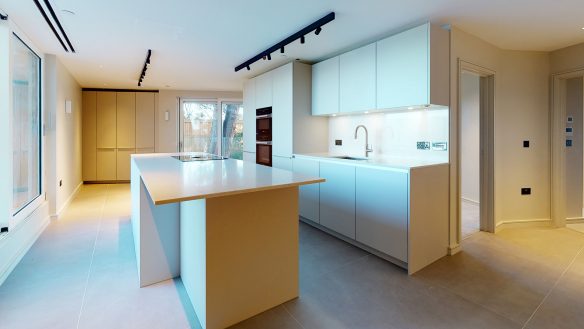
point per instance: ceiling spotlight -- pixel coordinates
(302, 39)
(282, 50)
(269, 57)
(317, 31)
(248, 68)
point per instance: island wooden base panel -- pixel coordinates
(239, 254)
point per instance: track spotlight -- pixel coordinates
(282, 50)
(317, 31)
(248, 68)
(302, 39)
(269, 57)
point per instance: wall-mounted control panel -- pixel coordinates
(525, 143)
(338, 142)
(525, 190)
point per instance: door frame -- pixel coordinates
(487, 145)
(558, 151)
(218, 101)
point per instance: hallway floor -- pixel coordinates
(470, 217)
(81, 273)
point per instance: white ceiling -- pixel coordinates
(196, 44)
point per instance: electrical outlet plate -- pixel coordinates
(423, 145)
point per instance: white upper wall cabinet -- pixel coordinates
(249, 116)
(357, 80)
(282, 111)
(325, 87)
(412, 68)
(263, 90)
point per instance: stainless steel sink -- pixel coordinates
(346, 157)
(198, 157)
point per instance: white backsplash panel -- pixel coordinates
(392, 134)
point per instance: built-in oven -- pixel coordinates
(264, 153)
(264, 124)
(264, 136)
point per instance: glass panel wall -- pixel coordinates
(26, 125)
(232, 135)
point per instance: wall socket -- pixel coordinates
(423, 145)
(338, 142)
(525, 190)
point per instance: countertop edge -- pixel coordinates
(369, 164)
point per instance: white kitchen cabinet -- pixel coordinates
(325, 87)
(249, 116)
(337, 198)
(249, 156)
(412, 68)
(357, 80)
(263, 90)
(282, 163)
(308, 195)
(282, 111)
(382, 210)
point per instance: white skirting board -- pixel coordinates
(538, 222)
(15, 244)
(68, 202)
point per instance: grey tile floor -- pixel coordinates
(81, 273)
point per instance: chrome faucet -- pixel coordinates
(368, 148)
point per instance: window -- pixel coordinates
(212, 127)
(26, 124)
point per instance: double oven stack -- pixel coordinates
(264, 136)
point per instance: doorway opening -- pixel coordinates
(476, 149)
(574, 97)
(211, 126)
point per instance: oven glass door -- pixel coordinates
(264, 154)
(264, 129)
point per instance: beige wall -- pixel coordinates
(567, 59)
(521, 113)
(168, 100)
(63, 161)
(470, 137)
(574, 154)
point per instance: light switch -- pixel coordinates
(68, 106)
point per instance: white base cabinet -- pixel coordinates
(381, 210)
(249, 156)
(397, 213)
(337, 198)
(308, 195)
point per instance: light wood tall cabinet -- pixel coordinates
(116, 124)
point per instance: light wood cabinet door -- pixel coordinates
(337, 198)
(89, 152)
(308, 195)
(126, 120)
(325, 87)
(282, 116)
(357, 80)
(145, 120)
(145, 150)
(249, 116)
(123, 164)
(263, 90)
(106, 120)
(403, 69)
(106, 164)
(382, 210)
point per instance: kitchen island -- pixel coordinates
(228, 228)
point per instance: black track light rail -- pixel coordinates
(317, 25)
(50, 24)
(146, 63)
(59, 25)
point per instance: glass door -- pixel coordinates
(211, 126)
(198, 127)
(232, 130)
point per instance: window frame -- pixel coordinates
(219, 103)
(27, 210)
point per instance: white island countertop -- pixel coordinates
(394, 162)
(169, 180)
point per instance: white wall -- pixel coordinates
(521, 113)
(168, 100)
(470, 137)
(391, 133)
(63, 135)
(574, 165)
